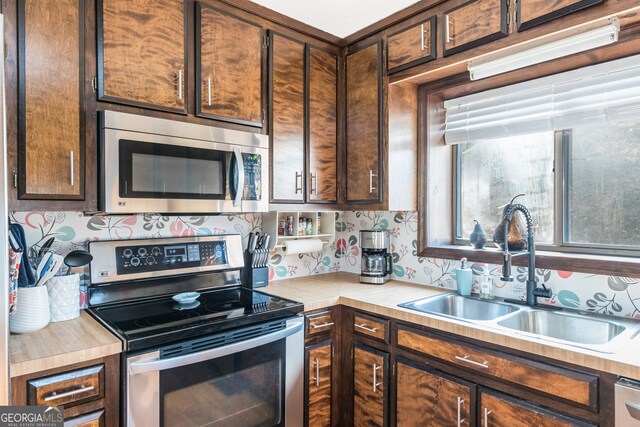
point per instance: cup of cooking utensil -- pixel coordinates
(64, 297)
(32, 312)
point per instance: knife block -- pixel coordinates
(253, 277)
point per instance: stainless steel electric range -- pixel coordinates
(199, 349)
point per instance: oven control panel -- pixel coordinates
(157, 257)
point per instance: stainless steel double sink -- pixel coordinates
(605, 334)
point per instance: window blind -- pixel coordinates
(605, 93)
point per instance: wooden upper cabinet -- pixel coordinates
(287, 119)
(318, 359)
(501, 411)
(141, 53)
(530, 13)
(323, 84)
(229, 67)
(474, 23)
(370, 385)
(51, 125)
(430, 399)
(364, 125)
(412, 46)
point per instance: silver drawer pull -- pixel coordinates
(209, 90)
(71, 168)
(316, 363)
(55, 396)
(371, 187)
(486, 417)
(298, 189)
(375, 377)
(460, 419)
(447, 29)
(634, 410)
(366, 328)
(422, 36)
(321, 325)
(180, 84)
(473, 362)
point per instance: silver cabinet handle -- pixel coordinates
(298, 189)
(55, 396)
(447, 28)
(371, 175)
(71, 168)
(209, 90)
(314, 178)
(486, 417)
(321, 325)
(473, 362)
(237, 202)
(365, 327)
(375, 378)
(316, 363)
(460, 419)
(422, 37)
(180, 84)
(634, 410)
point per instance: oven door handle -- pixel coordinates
(188, 359)
(237, 201)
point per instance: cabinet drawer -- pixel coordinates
(371, 326)
(68, 388)
(558, 382)
(93, 419)
(474, 23)
(318, 323)
(412, 46)
(530, 13)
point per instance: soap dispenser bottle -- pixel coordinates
(486, 284)
(464, 278)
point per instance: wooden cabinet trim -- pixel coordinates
(380, 327)
(572, 386)
(100, 66)
(430, 25)
(521, 413)
(524, 25)
(504, 29)
(198, 66)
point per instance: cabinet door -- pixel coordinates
(412, 46)
(318, 362)
(474, 23)
(287, 119)
(51, 125)
(229, 67)
(370, 384)
(497, 410)
(323, 80)
(530, 13)
(141, 53)
(431, 399)
(364, 125)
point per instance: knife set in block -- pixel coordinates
(255, 273)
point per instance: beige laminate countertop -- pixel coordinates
(325, 290)
(60, 344)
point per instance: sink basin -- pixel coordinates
(463, 308)
(585, 330)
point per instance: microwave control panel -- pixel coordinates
(252, 176)
(146, 258)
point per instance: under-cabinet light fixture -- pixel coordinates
(541, 50)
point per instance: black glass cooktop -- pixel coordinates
(153, 322)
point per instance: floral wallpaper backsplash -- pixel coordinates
(618, 296)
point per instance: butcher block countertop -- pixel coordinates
(60, 344)
(321, 291)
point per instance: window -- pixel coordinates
(570, 142)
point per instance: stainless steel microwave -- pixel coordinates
(164, 166)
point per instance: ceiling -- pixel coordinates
(338, 17)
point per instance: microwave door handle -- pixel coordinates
(237, 201)
(189, 359)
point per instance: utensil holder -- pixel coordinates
(32, 312)
(64, 297)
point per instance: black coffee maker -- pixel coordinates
(377, 264)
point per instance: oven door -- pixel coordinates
(252, 382)
(144, 172)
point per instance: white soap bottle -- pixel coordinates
(486, 284)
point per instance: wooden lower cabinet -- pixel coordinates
(430, 398)
(318, 379)
(370, 386)
(498, 410)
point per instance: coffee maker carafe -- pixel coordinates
(377, 264)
